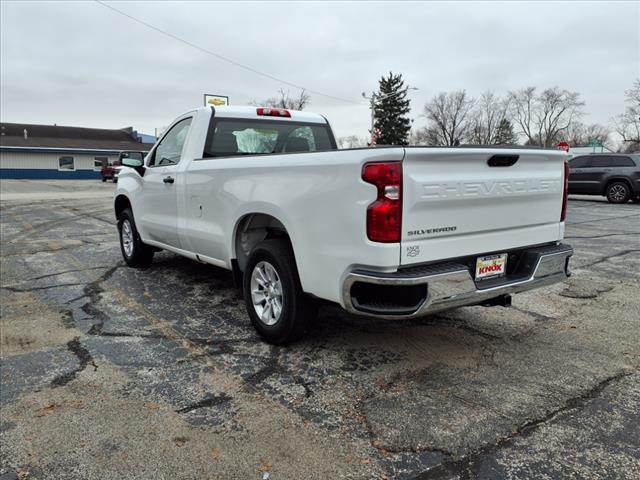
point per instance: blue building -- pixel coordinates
(51, 151)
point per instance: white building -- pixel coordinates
(51, 151)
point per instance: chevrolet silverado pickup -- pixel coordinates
(392, 232)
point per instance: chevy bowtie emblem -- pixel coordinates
(413, 251)
(216, 102)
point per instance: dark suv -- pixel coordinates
(614, 175)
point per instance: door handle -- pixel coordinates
(168, 179)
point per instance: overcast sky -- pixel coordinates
(79, 63)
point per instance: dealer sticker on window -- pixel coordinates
(491, 266)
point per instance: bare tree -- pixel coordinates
(448, 116)
(416, 136)
(351, 141)
(628, 124)
(541, 117)
(580, 135)
(558, 109)
(425, 136)
(523, 104)
(490, 110)
(287, 101)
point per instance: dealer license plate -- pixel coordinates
(491, 266)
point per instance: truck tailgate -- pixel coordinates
(467, 201)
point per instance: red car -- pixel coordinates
(109, 172)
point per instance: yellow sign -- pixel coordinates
(215, 100)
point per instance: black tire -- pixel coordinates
(136, 253)
(297, 311)
(115, 180)
(104, 179)
(618, 192)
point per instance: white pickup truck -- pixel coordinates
(391, 232)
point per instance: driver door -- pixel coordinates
(159, 199)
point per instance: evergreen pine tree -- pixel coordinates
(505, 134)
(390, 116)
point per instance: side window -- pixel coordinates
(612, 161)
(66, 163)
(579, 162)
(622, 162)
(600, 162)
(169, 150)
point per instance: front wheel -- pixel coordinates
(135, 252)
(278, 308)
(618, 192)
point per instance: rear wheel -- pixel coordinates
(135, 252)
(618, 192)
(104, 179)
(278, 308)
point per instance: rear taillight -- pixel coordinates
(384, 216)
(565, 193)
(273, 112)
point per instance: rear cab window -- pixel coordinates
(236, 136)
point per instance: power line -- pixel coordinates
(221, 57)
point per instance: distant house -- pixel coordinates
(51, 151)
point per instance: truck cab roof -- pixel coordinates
(252, 112)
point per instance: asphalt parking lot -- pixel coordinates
(110, 372)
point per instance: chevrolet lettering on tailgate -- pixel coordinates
(490, 188)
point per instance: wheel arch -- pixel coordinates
(251, 229)
(120, 204)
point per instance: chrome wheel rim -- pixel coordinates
(618, 192)
(266, 293)
(126, 235)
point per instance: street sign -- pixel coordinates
(563, 146)
(595, 143)
(215, 100)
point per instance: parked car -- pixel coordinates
(394, 232)
(613, 175)
(109, 172)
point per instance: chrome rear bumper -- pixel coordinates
(449, 285)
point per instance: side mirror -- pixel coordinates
(132, 159)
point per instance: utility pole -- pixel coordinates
(372, 105)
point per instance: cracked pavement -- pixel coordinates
(110, 372)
